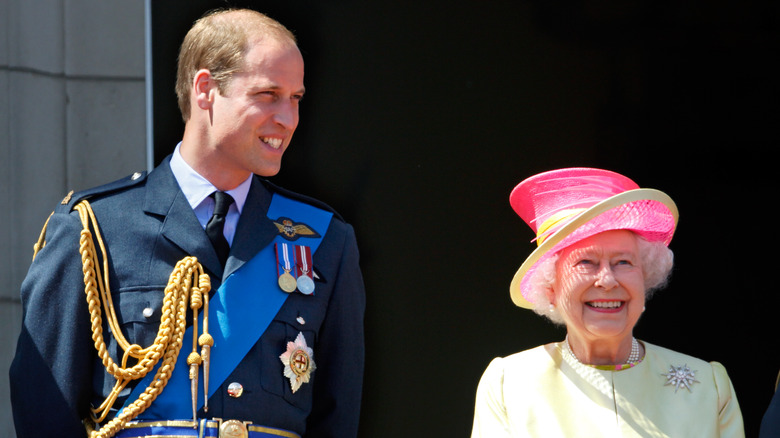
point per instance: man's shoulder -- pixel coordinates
(101, 191)
(273, 188)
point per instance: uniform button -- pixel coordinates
(300, 320)
(235, 389)
(135, 176)
(148, 312)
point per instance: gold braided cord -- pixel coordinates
(41, 238)
(188, 286)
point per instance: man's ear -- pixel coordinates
(204, 88)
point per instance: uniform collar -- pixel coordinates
(196, 188)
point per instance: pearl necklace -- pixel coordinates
(633, 357)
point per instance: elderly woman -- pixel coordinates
(602, 248)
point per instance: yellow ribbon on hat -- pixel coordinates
(552, 223)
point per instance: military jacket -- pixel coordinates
(147, 226)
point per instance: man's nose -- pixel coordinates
(287, 115)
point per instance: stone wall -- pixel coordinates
(72, 116)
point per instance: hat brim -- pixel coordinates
(515, 288)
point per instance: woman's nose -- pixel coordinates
(606, 278)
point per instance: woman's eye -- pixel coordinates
(585, 265)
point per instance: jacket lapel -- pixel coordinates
(254, 231)
(180, 226)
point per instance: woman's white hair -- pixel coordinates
(656, 258)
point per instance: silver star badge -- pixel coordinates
(298, 362)
(680, 376)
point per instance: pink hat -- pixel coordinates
(565, 206)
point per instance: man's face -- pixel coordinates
(252, 123)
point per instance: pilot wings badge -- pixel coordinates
(292, 230)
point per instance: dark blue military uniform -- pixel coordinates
(148, 226)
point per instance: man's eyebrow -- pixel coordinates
(274, 87)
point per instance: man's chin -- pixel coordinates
(268, 171)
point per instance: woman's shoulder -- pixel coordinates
(521, 360)
(675, 357)
(678, 362)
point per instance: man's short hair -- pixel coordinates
(218, 42)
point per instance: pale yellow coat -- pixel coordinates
(544, 392)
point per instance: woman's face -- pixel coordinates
(599, 288)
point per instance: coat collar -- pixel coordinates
(180, 226)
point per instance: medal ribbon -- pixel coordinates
(303, 270)
(283, 265)
(303, 260)
(283, 262)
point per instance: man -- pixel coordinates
(279, 350)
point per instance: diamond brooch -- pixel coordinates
(680, 376)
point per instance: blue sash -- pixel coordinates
(243, 307)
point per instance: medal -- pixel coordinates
(305, 285)
(303, 265)
(298, 362)
(286, 281)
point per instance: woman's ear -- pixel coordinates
(550, 293)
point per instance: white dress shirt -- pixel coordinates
(197, 189)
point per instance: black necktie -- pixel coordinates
(216, 225)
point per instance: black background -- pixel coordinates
(420, 117)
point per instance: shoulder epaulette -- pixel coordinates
(303, 198)
(73, 198)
